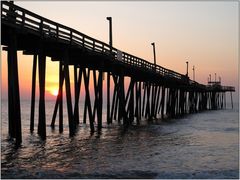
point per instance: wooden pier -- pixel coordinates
(153, 91)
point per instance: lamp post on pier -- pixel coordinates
(154, 53)
(193, 73)
(187, 68)
(215, 77)
(110, 31)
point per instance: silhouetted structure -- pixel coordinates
(153, 91)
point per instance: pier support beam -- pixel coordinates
(33, 92)
(59, 104)
(231, 100)
(115, 99)
(99, 99)
(76, 94)
(147, 111)
(152, 104)
(163, 102)
(41, 114)
(138, 101)
(130, 99)
(157, 100)
(87, 99)
(144, 97)
(60, 96)
(14, 110)
(71, 123)
(225, 104)
(122, 111)
(108, 98)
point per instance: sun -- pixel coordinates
(54, 92)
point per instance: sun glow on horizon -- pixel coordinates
(54, 92)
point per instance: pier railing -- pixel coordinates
(221, 88)
(19, 17)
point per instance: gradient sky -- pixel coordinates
(203, 33)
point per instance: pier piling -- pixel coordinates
(33, 92)
(41, 114)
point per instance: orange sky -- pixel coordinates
(204, 33)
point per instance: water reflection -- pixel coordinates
(177, 148)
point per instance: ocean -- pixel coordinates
(201, 145)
